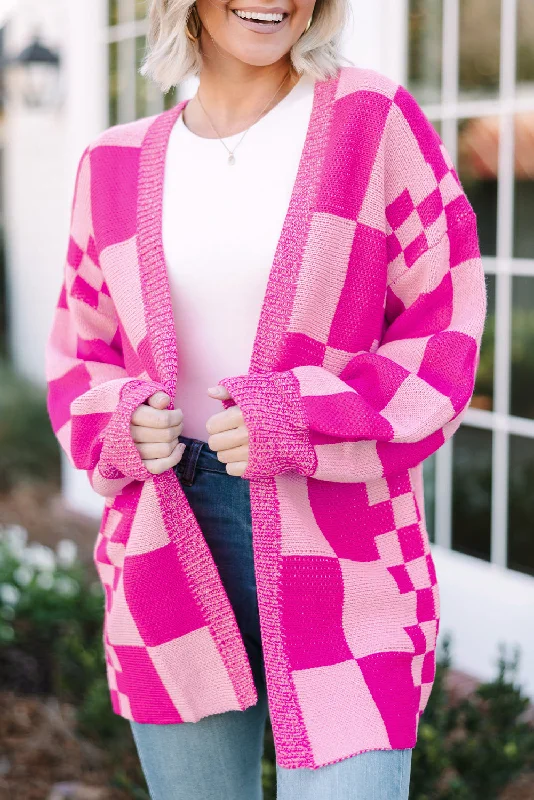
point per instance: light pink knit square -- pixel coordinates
(417, 409)
(353, 79)
(81, 228)
(372, 213)
(448, 186)
(101, 400)
(316, 382)
(374, 613)
(417, 668)
(409, 353)
(418, 571)
(410, 229)
(129, 134)
(121, 628)
(322, 275)
(301, 535)
(194, 675)
(464, 281)
(90, 319)
(90, 273)
(411, 170)
(334, 701)
(120, 266)
(336, 360)
(348, 461)
(389, 548)
(377, 491)
(404, 510)
(148, 530)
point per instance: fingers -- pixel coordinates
(235, 454)
(229, 418)
(149, 417)
(236, 468)
(152, 450)
(153, 435)
(158, 465)
(220, 392)
(228, 439)
(159, 400)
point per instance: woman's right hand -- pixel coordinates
(155, 431)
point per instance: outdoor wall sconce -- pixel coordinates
(36, 74)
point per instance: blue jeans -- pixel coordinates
(219, 757)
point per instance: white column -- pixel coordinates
(86, 74)
(34, 176)
(86, 99)
(377, 36)
(41, 151)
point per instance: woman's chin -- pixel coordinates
(253, 54)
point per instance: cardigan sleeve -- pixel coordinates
(389, 409)
(90, 396)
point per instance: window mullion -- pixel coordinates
(503, 307)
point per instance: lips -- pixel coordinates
(261, 20)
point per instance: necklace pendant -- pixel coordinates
(231, 159)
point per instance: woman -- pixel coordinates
(297, 226)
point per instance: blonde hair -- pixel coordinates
(171, 57)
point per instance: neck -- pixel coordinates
(234, 93)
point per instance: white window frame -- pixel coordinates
(503, 266)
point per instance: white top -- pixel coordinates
(220, 227)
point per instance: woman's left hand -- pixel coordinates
(228, 434)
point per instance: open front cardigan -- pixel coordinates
(363, 365)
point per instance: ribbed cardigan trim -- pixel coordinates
(192, 550)
(273, 322)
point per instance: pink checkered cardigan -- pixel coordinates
(363, 365)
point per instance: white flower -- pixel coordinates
(23, 575)
(15, 538)
(67, 552)
(66, 586)
(45, 580)
(9, 595)
(39, 556)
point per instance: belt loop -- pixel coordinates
(188, 474)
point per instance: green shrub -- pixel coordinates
(28, 448)
(474, 748)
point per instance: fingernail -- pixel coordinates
(214, 390)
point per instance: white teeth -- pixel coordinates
(256, 15)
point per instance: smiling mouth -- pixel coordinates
(258, 17)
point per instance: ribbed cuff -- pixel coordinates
(274, 415)
(120, 458)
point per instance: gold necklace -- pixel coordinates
(231, 157)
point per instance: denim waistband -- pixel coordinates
(197, 455)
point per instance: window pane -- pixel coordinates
(424, 50)
(113, 87)
(149, 98)
(524, 184)
(113, 12)
(141, 88)
(521, 505)
(480, 30)
(429, 480)
(522, 377)
(471, 494)
(483, 394)
(525, 47)
(140, 9)
(478, 156)
(171, 98)
(121, 81)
